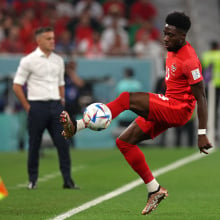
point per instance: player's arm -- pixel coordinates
(198, 91)
(62, 94)
(19, 92)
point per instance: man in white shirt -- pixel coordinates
(43, 71)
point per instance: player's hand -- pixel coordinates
(204, 144)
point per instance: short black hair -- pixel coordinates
(41, 30)
(179, 20)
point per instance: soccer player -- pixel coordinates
(157, 112)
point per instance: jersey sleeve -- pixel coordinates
(62, 71)
(193, 71)
(22, 72)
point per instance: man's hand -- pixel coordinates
(203, 144)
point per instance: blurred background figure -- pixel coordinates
(185, 136)
(112, 9)
(12, 44)
(91, 48)
(147, 48)
(127, 84)
(142, 9)
(211, 71)
(82, 27)
(73, 84)
(94, 7)
(65, 45)
(65, 8)
(115, 40)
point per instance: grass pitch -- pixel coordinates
(193, 188)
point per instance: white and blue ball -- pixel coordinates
(97, 116)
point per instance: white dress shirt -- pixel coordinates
(43, 75)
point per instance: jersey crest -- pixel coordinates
(173, 68)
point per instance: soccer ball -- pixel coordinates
(97, 116)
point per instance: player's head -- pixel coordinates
(129, 72)
(175, 30)
(45, 39)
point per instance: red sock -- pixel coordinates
(136, 159)
(120, 104)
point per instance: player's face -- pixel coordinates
(46, 41)
(173, 38)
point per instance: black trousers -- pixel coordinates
(45, 115)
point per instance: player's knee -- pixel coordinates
(122, 146)
(124, 97)
(119, 144)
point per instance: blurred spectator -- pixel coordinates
(28, 23)
(115, 11)
(142, 9)
(188, 130)
(37, 6)
(65, 45)
(51, 18)
(73, 84)
(12, 43)
(94, 7)
(2, 34)
(7, 23)
(83, 29)
(136, 30)
(110, 4)
(4, 5)
(145, 47)
(83, 26)
(30, 45)
(91, 49)
(3, 93)
(65, 8)
(115, 40)
(147, 27)
(211, 71)
(129, 84)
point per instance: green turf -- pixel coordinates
(193, 188)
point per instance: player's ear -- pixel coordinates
(182, 36)
(37, 38)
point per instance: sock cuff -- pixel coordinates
(119, 142)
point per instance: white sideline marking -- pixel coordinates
(48, 177)
(130, 185)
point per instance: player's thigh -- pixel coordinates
(133, 134)
(139, 103)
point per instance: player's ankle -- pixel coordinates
(152, 186)
(80, 125)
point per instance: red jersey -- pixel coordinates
(183, 69)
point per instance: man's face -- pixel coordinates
(173, 38)
(46, 41)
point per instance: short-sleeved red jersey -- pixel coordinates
(183, 69)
